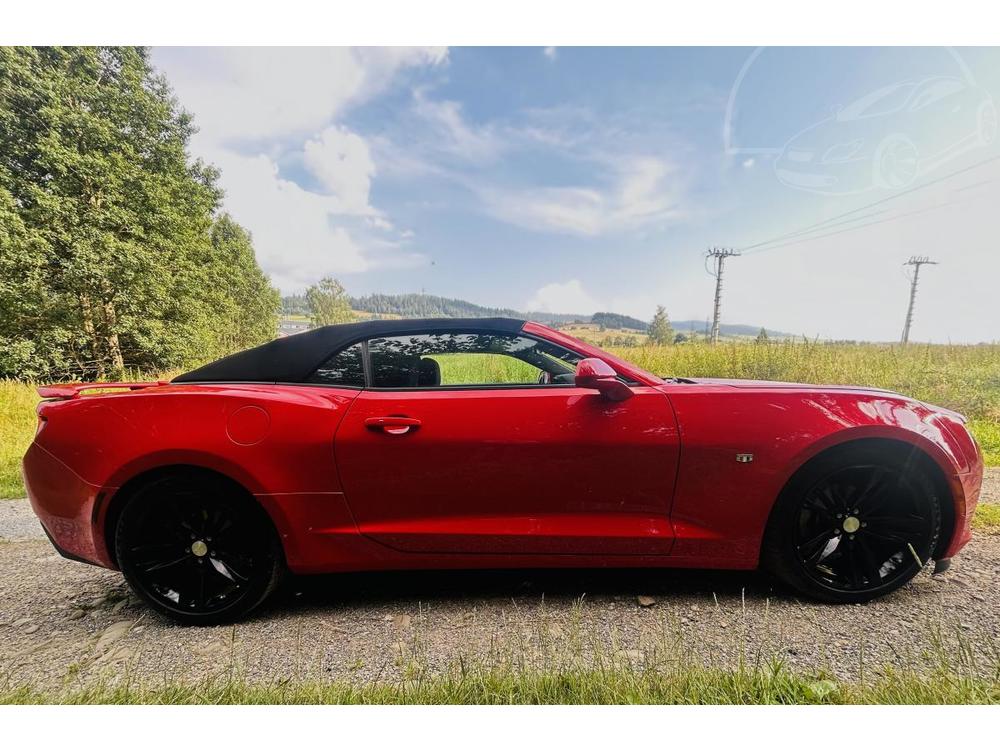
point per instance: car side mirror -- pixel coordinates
(597, 375)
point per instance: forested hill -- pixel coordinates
(615, 320)
(430, 306)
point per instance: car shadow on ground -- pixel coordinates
(472, 587)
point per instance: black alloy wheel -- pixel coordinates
(198, 550)
(854, 528)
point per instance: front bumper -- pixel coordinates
(67, 506)
(966, 486)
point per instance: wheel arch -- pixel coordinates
(890, 446)
(144, 478)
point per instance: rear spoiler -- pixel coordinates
(65, 391)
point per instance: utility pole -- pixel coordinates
(916, 261)
(718, 256)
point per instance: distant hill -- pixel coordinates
(725, 329)
(431, 306)
(615, 320)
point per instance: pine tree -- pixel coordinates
(660, 331)
(762, 337)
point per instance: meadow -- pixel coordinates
(963, 378)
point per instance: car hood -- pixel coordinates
(758, 384)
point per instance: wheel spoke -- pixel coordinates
(902, 524)
(850, 561)
(226, 570)
(811, 550)
(874, 494)
(816, 504)
(164, 564)
(870, 565)
(201, 587)
(887, 536)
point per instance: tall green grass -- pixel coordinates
(963, 378)
(771, 683)
(17, 428)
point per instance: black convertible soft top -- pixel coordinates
(294, 358)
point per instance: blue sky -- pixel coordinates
(583, 179)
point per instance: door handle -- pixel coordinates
(392, 425)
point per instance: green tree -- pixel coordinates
(762, 337)
(108, 254)
(660, 331)
(328, 303)
(243, 304)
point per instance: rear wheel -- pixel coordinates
(854, 525)
(198, 550)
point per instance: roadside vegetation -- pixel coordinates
(987, 519)
(613, 683)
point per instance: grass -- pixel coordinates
(614, 683)
(467, 369)
(17, 428)
(963, 378)
(987, 518)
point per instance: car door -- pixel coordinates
(500, 467)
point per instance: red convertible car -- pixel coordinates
(488, 443)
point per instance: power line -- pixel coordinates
(860, 226)
(718, 256)
(822, 224)
(916, 261)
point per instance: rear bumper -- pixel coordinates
(66, 505)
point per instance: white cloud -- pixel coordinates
(292, 233)
(563, 297)
(644, 191)
(341, 161)
(748, 163)
(551, 52)
(629, 188)
(254, 107)
(254, 92)
(451, 133)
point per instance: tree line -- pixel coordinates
(114, 251)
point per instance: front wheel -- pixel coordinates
(854, 525)
(198, 550)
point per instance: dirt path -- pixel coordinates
(63, 622)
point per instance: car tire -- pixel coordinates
(198, 550)
(883, 517)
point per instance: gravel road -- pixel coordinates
(63, 623)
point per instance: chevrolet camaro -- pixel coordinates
(488, 443)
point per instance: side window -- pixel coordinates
(456, 359)
(346, 367)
